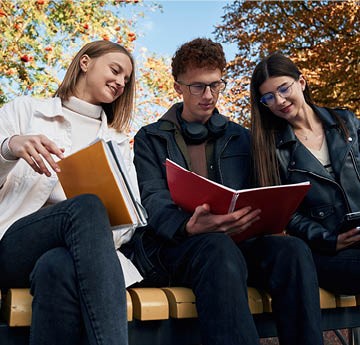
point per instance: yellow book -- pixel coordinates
(99, 169)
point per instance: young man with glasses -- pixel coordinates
(195, 250)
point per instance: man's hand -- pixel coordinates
(34, 149)
(232, 223)
(348, 238)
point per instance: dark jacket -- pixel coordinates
(329, 197)
(158, 141)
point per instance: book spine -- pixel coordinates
(233, 202)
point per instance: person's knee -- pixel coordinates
(53, 271)
(221, 255)
(297, 247)
(88, 204)
(85, 211)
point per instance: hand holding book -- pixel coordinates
(99, 169)
(277, 203)
(203, 220)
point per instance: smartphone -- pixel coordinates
(350, 221)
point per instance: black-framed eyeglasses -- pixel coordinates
(199, 88)
(268, 99)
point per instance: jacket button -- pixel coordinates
(292, 163)
(349, 139)
(321, 214)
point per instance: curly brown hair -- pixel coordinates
(198, 53)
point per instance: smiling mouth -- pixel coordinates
(286, 109)
(113, 90)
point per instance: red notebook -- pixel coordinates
(277, 203)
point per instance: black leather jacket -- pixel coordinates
(330, 197)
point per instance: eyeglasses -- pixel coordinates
(199, 88)
(268, 99)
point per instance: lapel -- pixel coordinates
(300, 158)
(338, 147)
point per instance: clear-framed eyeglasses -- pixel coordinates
(197, 89)
(268, 99)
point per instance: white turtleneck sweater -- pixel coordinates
(85, 123)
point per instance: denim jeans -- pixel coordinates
(283, 265)
(217, 271)
(339, 272)
(66, 254)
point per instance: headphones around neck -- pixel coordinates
(195, 133)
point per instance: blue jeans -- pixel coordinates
(66, 254)
(339, 272)
(219, 272)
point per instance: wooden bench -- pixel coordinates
(163, 316)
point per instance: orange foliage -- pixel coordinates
(39, 38)
(322, 37)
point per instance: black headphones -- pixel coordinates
(195, 133)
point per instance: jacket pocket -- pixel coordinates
(321, 212)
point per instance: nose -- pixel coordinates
(207, 92)
(120, 81)
(279, 98)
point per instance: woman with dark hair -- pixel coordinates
(295, 140)
(64, 249)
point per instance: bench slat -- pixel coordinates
(16, 307)
(160, 303)
(181, 302)
(149, 304)
(345, 301)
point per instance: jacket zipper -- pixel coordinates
(220, 153)
(326, 179)
(354, 163)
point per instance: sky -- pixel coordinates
(179, 22)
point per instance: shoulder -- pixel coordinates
(236, 129)
(119, 137)
(29, 105)
(331, 116)
(343, 112)
(20, 102)
(154, 128)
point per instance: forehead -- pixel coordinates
(117, 59)
(273, 83)
(200, 75)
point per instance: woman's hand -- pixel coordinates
(34, 149)
(232, 223)
(348, 238)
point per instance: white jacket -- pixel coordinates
(22, 190)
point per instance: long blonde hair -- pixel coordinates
(119, 113)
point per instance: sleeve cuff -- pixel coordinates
(6, 152)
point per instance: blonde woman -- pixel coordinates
(64, 249)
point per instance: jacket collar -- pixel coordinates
(52, 107)
(169, 121)
(168, 128)
(288, 136)
(49, 107)
(300, 157)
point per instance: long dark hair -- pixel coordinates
(264, 124)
